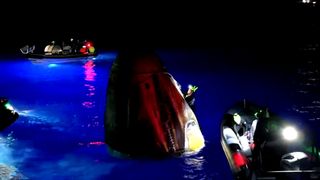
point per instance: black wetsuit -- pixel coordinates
(191, 101)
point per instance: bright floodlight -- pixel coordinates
(289, 133)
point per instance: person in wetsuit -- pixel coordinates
(190, 96)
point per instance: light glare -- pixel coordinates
(289, 133)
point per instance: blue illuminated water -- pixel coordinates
(60, 134)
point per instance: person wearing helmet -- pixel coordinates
(235, 133)
(190, 96)
(258, 129)
(230, 131)
(239, 156)
(49, 48)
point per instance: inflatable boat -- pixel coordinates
(261, 145)
(60, 50)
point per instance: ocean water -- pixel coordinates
(60, 133)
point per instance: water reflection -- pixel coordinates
(7, 160)
(89, 103)
(89, 71)
(91, 89)
(90, 75)
(193, 167)
(307, 84)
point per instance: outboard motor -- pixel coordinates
(7, 114)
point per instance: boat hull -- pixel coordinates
(58, 56)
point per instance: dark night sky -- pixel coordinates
(161, 25)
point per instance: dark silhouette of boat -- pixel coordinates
(8, 115)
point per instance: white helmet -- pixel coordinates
(237, 118)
